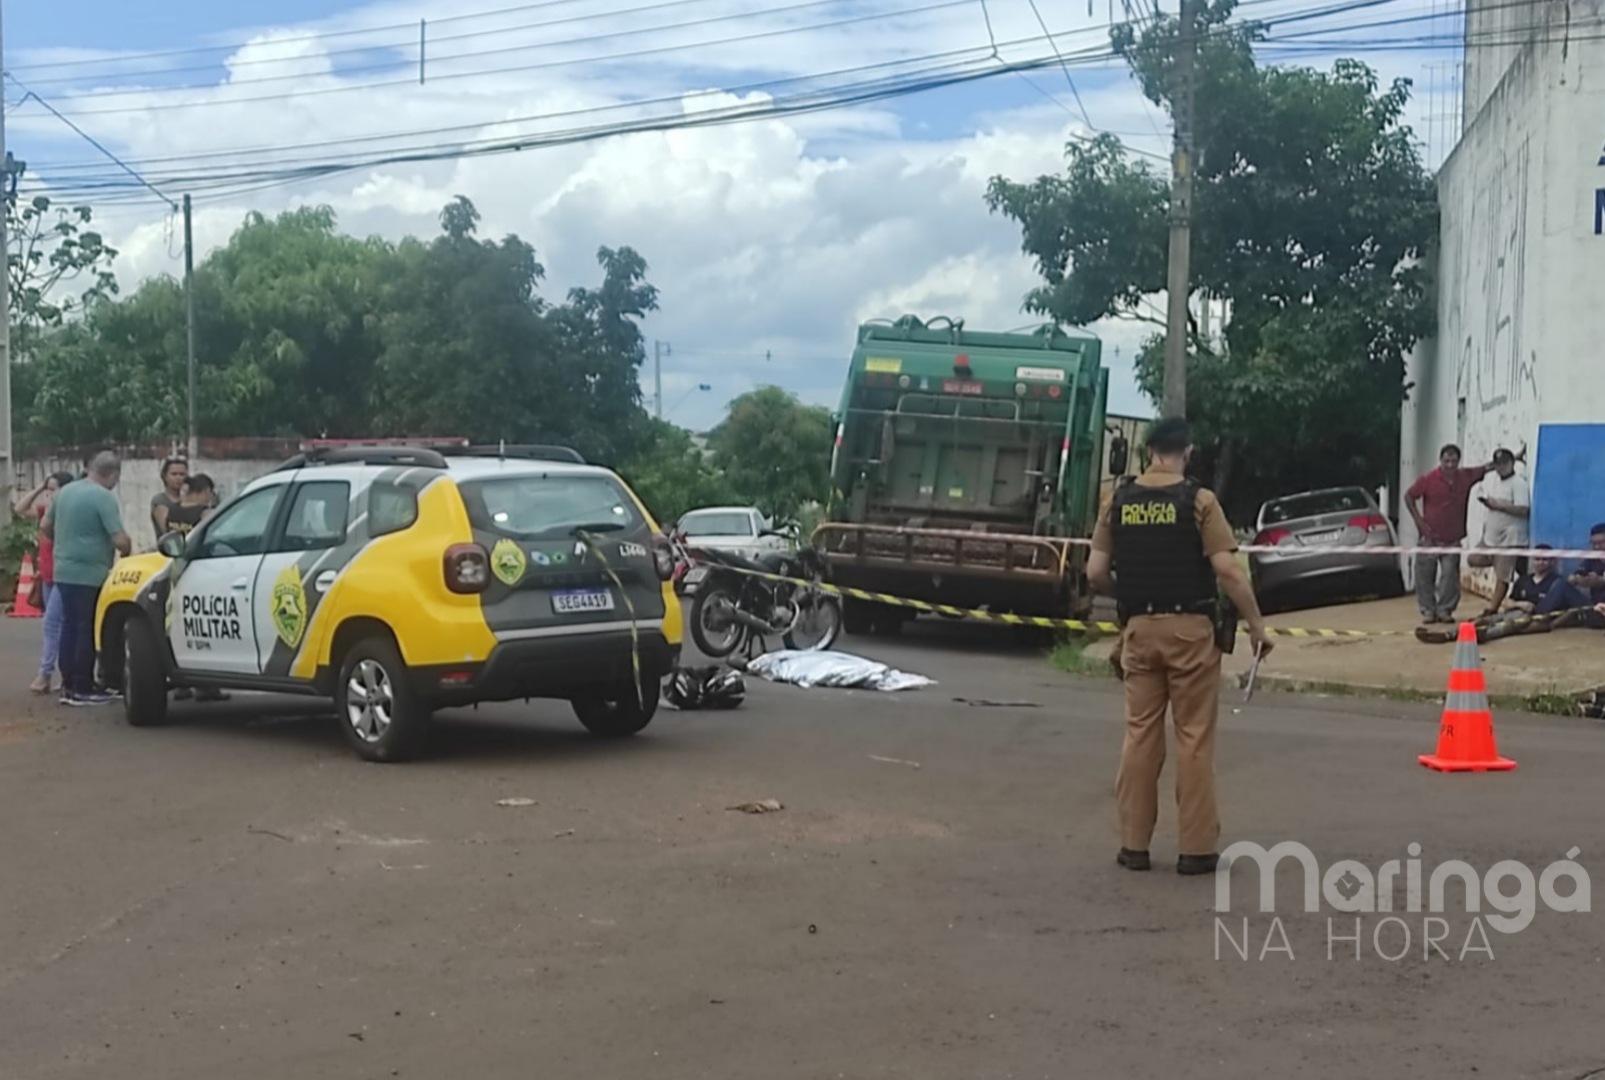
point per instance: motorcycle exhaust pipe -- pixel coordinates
(746, 618)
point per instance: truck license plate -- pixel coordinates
(580, 601)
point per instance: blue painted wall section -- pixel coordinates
(1569, 485)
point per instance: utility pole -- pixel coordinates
(8, 474)
(5, 324)
(189, 327)
(1178, 281)
(659, 350)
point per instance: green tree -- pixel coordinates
(599, 339)
(463, 348)
(774, 451)
(57, 263)
(302, 330)
(1312, 213)
(672, 475)
(284, 316)
(116, 374)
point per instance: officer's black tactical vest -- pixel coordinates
(1159, 560)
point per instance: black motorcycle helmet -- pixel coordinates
(726, 690)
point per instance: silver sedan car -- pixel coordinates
(735, 530)
(1346, 518)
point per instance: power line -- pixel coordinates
(1139, 20)
(991, 36)
(409, 43)
(1065, 67)
(436, 59)
(29, 95)
(221, 185)
(480, 124)
(196, 50)
(1468, 37)
(240, 151)
(889, 88)
(220, 170)
(1451, 42)
(1033, 84)
(518, 69)
(214, 102)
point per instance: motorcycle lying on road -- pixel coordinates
(733, 608)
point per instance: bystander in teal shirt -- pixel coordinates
(85, 517)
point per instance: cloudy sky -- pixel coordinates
(770, 240)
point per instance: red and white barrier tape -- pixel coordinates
(1365, 549)
(1292, 550)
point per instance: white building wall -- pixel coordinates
(1497, 31)
(1521, 315)
(141, 481)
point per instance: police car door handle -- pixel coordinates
(323, 580)
(240, 585)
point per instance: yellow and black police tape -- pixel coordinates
(595, 548)
(1009, 619)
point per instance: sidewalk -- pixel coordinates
(1564, 662)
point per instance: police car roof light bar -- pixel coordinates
(416, 456)
(526, 452)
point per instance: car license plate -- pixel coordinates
(1322, 538)
(580, 601)
(696, 575)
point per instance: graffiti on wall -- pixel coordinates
(1497, 368)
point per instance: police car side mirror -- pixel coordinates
(172, 545)
(1119, 454)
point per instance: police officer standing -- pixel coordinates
(1161, 547)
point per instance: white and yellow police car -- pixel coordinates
(398, 581)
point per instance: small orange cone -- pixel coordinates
(1466, 734)
(22, 609)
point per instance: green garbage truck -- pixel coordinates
(964, 463)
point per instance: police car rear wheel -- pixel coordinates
(380, 716)
(618, 713)
(144, 684)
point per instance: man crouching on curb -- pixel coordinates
(1161, 547)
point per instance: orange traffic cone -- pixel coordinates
(22, 609)
(1466, 734)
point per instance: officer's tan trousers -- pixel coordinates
(1169, 660)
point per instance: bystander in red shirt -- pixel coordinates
(1444, 496)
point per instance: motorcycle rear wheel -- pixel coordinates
(818, 625)
(713, 624)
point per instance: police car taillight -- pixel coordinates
(467, 568)
(663, 560)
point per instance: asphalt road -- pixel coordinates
(235, 895)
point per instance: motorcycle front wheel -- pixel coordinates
(819, 622)
(713, 623)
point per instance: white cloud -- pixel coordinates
(773, 237)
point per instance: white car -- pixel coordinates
(736, 530)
